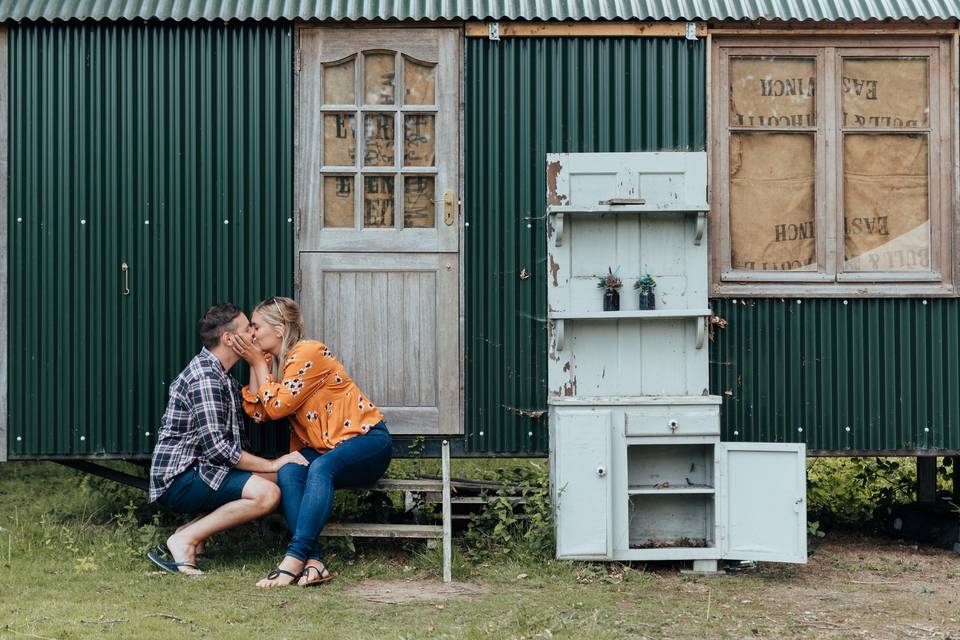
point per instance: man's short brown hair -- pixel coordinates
(216, 321)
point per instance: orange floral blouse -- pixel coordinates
(324, 405)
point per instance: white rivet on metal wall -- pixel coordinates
(146, 222)
(481, 433)
(736, 433)
(466, 224)
(799, 429)
(82, 438)
(924, 302)
(530, 433)
(799, 301)
(844, 302)
(529, 226)
(147, 434)
(847, 428)
(19, 438)
(926, 429)
(289, 219)
(19, 219)
(83, 222)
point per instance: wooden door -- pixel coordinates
(377, 157)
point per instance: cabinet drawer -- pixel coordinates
(674, 420)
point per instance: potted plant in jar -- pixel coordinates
(611, 283)
(645, 287)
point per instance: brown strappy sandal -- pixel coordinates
(323, 575)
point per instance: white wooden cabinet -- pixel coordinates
(637, 467)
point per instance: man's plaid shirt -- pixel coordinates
(203, 423)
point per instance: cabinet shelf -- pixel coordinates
(658, 314)
(558, 318)
(642, 490)
(558, 212)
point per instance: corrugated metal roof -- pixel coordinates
(478, 9)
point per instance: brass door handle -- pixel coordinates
(447, 207)
(125, 270)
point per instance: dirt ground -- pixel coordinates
(852, 587)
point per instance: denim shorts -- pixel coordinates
(190, 494)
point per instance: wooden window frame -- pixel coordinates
(829, 280)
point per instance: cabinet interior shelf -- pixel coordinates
(642, 490)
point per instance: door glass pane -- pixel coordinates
(885, 202)
(419, 146)
(418, 210)
(379, 78)
(338, 201)
(773, 91)
(772, 212)
(379, 139)
(419, 81)
(339, 82)
(378, 201)
(885, 93)
(339, 139)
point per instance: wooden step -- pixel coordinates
(365, 530)
(408, 484)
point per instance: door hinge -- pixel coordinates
(297, 279)
(297, 59)
(297, 220)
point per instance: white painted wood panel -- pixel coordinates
(763, 509)
(580, 459)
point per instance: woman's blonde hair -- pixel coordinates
(279, 311)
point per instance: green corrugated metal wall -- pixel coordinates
(112, 126)
(841, 376)
(526, 97)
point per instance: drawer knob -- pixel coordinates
(673, 424)
(601, 471)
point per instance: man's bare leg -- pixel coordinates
(259, 498)
(202, 546)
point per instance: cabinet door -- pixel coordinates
(762, 501)
(581, 483)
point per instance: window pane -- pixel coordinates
(885, 93)
(418, 210)
(418, 140)
(379, 78)
(772, 210)
(338, 201)
(419, 81)
(338, 83)
(885, 205)
(379, 145)
(378, 201)
(339, 138)
(772, 91)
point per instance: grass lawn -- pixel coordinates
(69, 569)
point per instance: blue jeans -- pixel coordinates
(307, 492)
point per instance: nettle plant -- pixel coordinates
(611, 280)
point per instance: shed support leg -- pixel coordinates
(956, 480)
(927, 479)
(447, 516)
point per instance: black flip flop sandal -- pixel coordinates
(277, 571)
(166, 565)
(323, 574)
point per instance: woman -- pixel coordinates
(336, 428)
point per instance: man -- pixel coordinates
(199, 465)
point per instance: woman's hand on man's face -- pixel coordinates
(246, 349)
